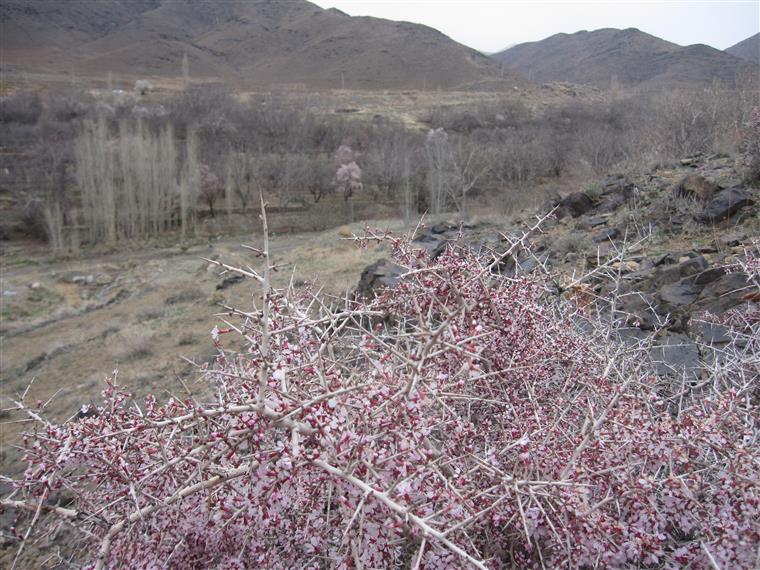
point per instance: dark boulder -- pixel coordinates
(227, 282)
(723, 293)
(575, 205)
(607, 235)
(725, 204)
(677, 355)
(380, 275)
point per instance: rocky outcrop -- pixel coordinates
(725, 204)
(659, 286)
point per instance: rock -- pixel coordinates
(667, 274)
(610, 203)
(725, 204)
(731, 240)
(9, 293)
(381, 274)
(73, 277)
(708, 275)
(607, 235)
(695, 186)
(575, 205)
(712, 333)
(229, 282)
(723, 293)
(592, 223)
(550, 203)
(627, 266)
(639, 309)
(35, 285)
(443, 228)
(103, 279)
(677, 356)
(685, 292)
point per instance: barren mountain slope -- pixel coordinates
(255, 42)
(628, 57)
(748, 49)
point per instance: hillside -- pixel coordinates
(630, 58)
(748, 49)
(256, 43)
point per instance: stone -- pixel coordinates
(610, 203)
(229, 282)
(377, 276)
(725, 204)
(607, 235)
(592, 223)
(575, 205)
(626, 266)
(676, 355)
(103, 279)
(639, 309)
(723, 293)
(732, 239)
(73, 277)
(685, 292)
(712, 333)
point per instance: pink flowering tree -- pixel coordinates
(348, 175)
(462, 419)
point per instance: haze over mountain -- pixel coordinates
(748, 49)
(257, 42)
(630, 58)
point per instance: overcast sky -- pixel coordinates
(491, 25)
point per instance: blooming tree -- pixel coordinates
(348, 174)
(462, 419)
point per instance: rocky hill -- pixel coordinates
(748, 49)
(257, 43)
(659, 243)
(629, 58)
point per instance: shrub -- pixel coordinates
(23, 107)
(461, 418)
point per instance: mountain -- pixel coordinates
(630, 58)
(748, 49)
(261, 42)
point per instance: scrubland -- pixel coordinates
(501, 404)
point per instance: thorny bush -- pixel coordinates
(463, 419)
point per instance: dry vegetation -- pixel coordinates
(113, 166)
(116, 196)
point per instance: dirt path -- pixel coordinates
(66, 325)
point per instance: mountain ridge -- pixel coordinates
(748, 49)
(628, 57)
(264, 42)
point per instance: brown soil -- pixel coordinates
(147, 313)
